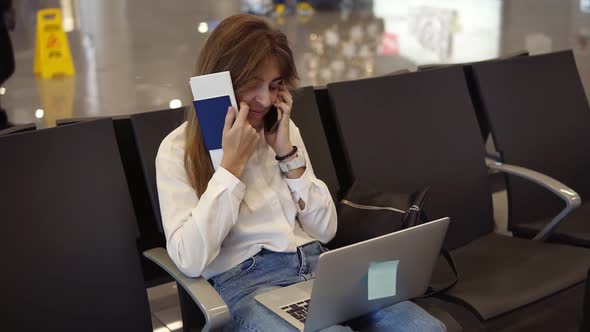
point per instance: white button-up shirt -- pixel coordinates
(234, 219)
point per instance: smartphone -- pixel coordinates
(272, 119)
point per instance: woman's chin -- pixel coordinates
(257, 124)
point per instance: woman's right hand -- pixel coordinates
(239, 141)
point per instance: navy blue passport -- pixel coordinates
(211, 115)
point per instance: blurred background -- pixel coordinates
(137, 55)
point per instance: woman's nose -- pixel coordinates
(264, 98)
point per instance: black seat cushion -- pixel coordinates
(498, 273)
(575, 229)
(456, 317)
(558, 312)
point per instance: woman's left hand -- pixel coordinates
(280, 140)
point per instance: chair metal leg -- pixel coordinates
(192, 317)
(585, 324)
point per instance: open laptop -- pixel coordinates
(399, 265)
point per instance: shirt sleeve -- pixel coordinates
(318, 217)
(195, 227)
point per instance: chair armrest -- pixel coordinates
(205, 296)
(494, 156)
(571, 198)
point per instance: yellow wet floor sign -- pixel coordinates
(52, 52)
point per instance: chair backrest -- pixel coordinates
(445, 65)
(306, 116)
(68, 233)
(150, 129)
(341, 165)
(18, 129)
(69, 121)
(408, 131)
(150, 235)
(475, 98)
(397, 72)
(540, 119)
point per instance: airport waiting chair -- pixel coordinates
(149, 234)
(18, 129)
(331, 133)
(481, 119)
(398, 72)
(149, 129)
(201, 306)
(310, 107)
(446, 65)
(306, 116)
(343, 172)
(540, 119)
(69, 233)
(409, 131)
(74, 120)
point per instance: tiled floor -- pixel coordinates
(165, 308)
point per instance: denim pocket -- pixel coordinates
(315, 248)
(323, 249)
(225, 279)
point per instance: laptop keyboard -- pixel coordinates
(297, 310)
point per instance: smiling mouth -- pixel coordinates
(257, 112)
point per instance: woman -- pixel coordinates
(249, 224)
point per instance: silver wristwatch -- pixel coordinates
(294, 163)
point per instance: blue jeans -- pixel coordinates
(269, 270)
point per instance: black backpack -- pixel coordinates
(365, 213)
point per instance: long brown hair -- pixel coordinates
(240, 44)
